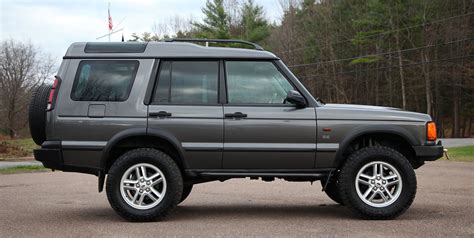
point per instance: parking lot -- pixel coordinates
(67, 204)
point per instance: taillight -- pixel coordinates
(52, 93)
(431, 131)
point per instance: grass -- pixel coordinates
(465, 153)
(23, 169)
(16, 148)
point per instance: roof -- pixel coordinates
(159, 50)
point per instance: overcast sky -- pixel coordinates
(54, 24)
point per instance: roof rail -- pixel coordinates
(256, 46)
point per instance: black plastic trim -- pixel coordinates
(115, 47)
(256, 46)
(429, 153)
(152, 82)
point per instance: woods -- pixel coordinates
(22, 68)
(411, 54)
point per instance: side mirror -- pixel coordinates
(294, 97)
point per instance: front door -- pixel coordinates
(262, 131)
(185, 104)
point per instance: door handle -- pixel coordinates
(160, 114)
(235, 115)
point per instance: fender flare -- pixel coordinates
(371, 129)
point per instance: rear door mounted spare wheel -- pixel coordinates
(37, 113)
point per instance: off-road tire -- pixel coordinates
(170, 171)
(332, 189)
(186, 191)
(37, 113)
(364, 156)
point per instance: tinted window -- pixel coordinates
(104, 80)
(255, 83)
(187, 82)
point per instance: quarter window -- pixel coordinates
(104, 80)
(187, 82)
(255, 83)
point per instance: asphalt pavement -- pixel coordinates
(68, 205)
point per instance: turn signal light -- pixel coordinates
(431, 131)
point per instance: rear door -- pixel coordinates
(262, 131)
(185, 103)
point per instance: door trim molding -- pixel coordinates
(283, 147)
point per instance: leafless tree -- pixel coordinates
(22, 68)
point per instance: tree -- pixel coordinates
(22, 69)
(254, 25)
(216, 22)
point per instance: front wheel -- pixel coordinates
(377, 182)
(144, 185)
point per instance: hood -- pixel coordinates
(363, 112)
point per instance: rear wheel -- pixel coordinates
(144, 185)
(377, 182)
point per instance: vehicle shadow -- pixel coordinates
(273, 211)
(213, 212)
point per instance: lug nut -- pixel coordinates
(141, 191)
(148, 183)
(148, 190)
(372, 181)
(384, 182)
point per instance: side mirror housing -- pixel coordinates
(294, 97)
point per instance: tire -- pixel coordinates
(186, 191)
(332, 190)
(37, 113)
(156, 162)
(394, 167)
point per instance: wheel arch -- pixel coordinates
(156, 138)
(389, 134)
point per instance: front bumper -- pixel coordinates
(429, 152)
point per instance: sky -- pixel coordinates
(53, 25)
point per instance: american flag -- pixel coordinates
(111, 25)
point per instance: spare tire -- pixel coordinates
(37, 113)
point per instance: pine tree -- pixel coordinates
(255, 26)
(215, 23)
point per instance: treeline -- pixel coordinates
(411, 54)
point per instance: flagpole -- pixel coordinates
(108, 9)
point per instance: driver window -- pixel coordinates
(257, 82)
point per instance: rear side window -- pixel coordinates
(104, 80)
(187, 82)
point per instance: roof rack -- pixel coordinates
(256, 46)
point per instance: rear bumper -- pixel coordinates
(429, 152)
(51, 155)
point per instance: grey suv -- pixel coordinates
(154, 119)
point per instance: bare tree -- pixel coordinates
(22, 68)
